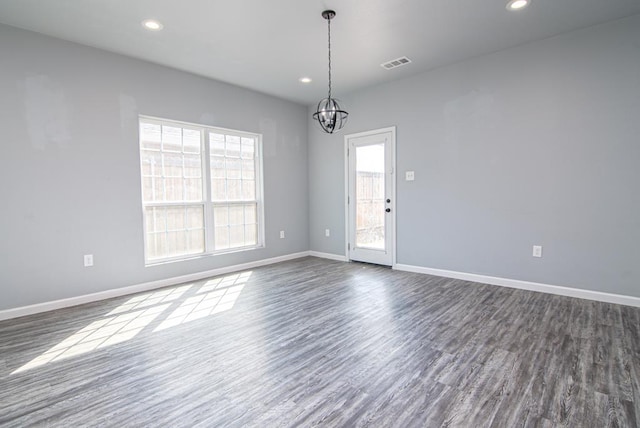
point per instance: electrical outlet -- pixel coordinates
(327, 233)
(88, 260)
(537, 251)
(282, 234)
(410, 175)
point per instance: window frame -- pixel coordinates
(207, 201)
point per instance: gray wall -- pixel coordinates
(532, 145)
(538, 144)
(70, 165)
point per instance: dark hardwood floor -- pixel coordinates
(317, 342)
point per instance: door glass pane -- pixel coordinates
(370, 214)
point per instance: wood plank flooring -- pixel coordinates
(312, 342)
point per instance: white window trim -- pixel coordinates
(207, 201)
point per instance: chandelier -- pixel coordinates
(329, 115)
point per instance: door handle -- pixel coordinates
(388, 210)
(388, 201)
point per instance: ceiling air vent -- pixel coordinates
(396, 63)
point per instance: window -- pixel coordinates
(201, 189)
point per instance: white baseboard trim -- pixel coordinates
(147, 286)
(526, 285)
(329, 256)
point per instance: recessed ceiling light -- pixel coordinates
(152, 24)
(517, 4)
(305, 80)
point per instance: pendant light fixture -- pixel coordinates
(329, 114)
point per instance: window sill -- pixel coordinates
(200, 256)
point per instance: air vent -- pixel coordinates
(395, 63)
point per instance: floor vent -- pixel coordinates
(395, 63)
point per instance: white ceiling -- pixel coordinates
(268, 45)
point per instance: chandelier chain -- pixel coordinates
(329, 27)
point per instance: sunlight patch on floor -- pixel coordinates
(130, 318)
(215, 296)
(151, 299)
(99, 334)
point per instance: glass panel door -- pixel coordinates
(371, 196)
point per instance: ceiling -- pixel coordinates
(268, 45)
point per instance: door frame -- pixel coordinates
(392, 226)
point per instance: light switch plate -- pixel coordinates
(409, 175)
(537, 251)
(88, 260)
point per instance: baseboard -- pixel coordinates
(147, 286)
(329, 256)
(152, 285)
(526, 285)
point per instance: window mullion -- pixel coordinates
(206, 186)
